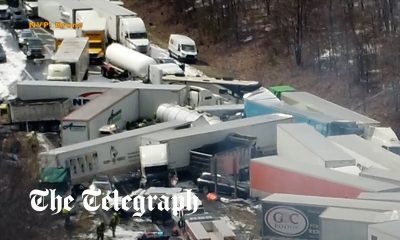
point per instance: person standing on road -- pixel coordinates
(100, 231)
(114, 222)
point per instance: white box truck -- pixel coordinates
(116, 106)
(123, 25)
(71, 61)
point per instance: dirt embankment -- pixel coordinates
(255, 61)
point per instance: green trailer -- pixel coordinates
(278, 90)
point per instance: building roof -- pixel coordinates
(99, 104)
(71, 49)
(316, 143)
(359, 215)
(321, 105)
(326, 174)
(304, 200)
(119, 136)
(389, 228)
(219, 127)
(367, 153)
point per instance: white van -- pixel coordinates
(182, 48)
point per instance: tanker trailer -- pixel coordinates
(123, 63)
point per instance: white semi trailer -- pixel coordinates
(103, 155)
(123, 25)
(180, 142)
(114, 107)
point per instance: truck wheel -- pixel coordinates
(42, 128)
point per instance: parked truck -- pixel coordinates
(71, 61)
(83, 18)
(40, 115)
(123, 25)
(122, 62)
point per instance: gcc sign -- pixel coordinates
(286, 221)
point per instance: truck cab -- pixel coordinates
(133, 34)
(199, 96)
(182, 48)
(154, 165)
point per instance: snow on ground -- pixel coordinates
(11, 71)
(158, 52)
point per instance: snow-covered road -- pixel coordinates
(13, 70)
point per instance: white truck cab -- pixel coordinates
(182, 48)
(133, 34)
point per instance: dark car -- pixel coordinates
(33, 48)
(226, 186)
(3, 57)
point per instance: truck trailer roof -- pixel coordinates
(119, 136)
(329, 108)
(92, 21)
(380, 196)
(364, 148)
(358, 215)
(72, 4)
(71, 49)
(109, 7)
(97, 106)
(305, 200)
(218, 127)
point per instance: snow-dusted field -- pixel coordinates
(12, 71)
